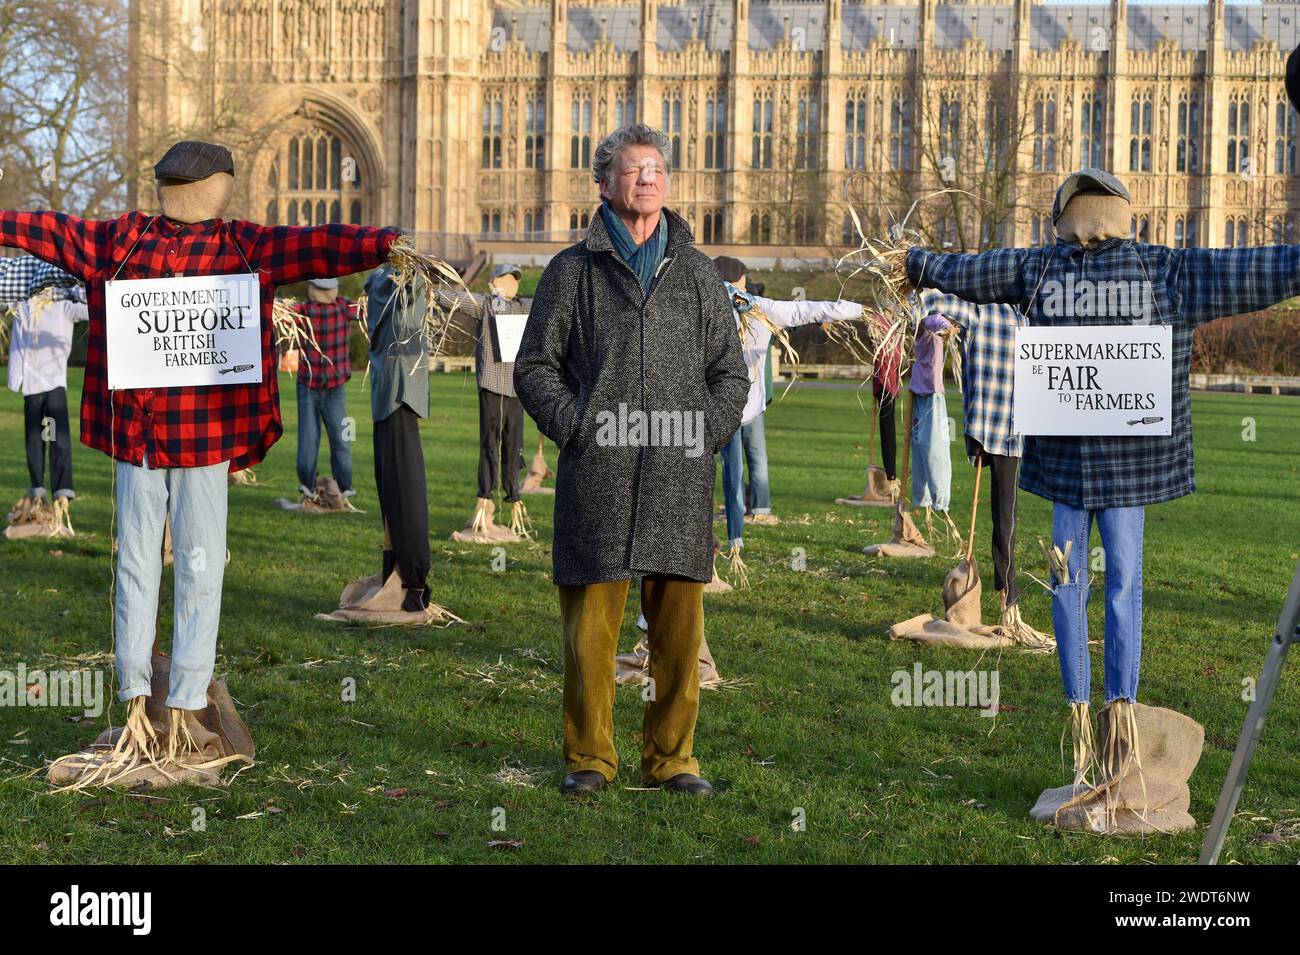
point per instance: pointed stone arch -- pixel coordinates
(347, 184)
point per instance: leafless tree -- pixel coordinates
(63, 104)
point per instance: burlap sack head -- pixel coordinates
(196, 201)
(1089, 219)
(507, 286)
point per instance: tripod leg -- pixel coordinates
(1245, 752)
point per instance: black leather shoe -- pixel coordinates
(585, 782)
(686, 783)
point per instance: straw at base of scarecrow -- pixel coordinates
(538, 471)
(245, 478)
(327, 500)
(1083, 746)
(717, 585)
(373, 599)
(634, 667)
(158, 745)
(1013, 624)
(40, 517)
(482, 528)
(879, 492)
(1134, 792)
(962, 624)
(738, 568)
(906, 539)
(520, 524)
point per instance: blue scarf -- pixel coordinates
(644, 258)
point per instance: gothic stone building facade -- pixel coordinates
(474, 121)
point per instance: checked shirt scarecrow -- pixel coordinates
(1110, 480)
(173, 448)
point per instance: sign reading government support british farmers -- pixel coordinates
(1093, 380)
(193, 330)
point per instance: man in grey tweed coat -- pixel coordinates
(631, 364)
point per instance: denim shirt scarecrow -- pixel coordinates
(1181, 287)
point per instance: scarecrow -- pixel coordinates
(882, 489)
(988, 339)
(498, 318)
(1110, 481)
(41, 339)
(399, 399)
(927, 463)
(758, 320)
(173, 446)
(323, 372)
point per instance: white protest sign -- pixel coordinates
(191, 330)
(1093, 380)
(510, 332)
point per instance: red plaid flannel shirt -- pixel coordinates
(191, 426)
(328, 366)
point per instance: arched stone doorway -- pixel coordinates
(314, 171)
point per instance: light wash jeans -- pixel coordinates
(195, 498)
(1121, 540)
(754, 438)
(330, 406)
(931, 455)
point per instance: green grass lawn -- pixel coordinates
(454, 730)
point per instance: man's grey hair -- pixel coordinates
(638, 134)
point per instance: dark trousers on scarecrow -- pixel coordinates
(403, 501)
(501, 444)
(1005, 471)
(593, 617)
(888, 436)
(46, 418)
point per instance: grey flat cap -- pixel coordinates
(1087, 180)
(190, 161)
(324, 284)
(507, 269)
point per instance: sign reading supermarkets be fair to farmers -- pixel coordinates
(194, 330)
(1093, 380)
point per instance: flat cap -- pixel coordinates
(1087, 180)
(324, 284)
(507, 269)
(190, 161)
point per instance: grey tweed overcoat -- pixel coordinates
(639, 391)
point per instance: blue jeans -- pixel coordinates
(931, 456)
(754, 438)
(733, 489)
(1121, 540)
(195, 498)
(314, 406)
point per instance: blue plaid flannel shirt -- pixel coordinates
(24, 275)
(1188, 287)
(988, 342)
